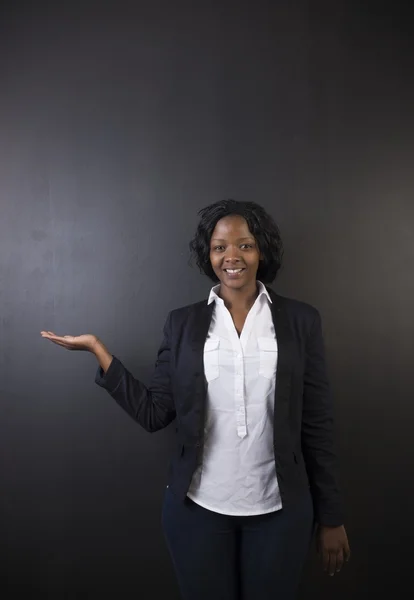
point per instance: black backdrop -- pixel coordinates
(118, 122)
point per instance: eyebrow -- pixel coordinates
(222, 240)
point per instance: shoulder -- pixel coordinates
(303, 317)
(181, 313)
(294, 307)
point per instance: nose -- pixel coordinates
(231, 261)
(232, 258)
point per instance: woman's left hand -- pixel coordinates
(333, 548)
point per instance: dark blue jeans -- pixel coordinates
(221, 557)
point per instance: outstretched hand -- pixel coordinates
(332, 547)
(84, 342)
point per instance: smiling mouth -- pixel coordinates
(234, 271)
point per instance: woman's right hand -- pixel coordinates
(84, 342)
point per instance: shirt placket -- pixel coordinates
(239, 400)
(239, 343)
(239, 391)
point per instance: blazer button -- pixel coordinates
(198, 444)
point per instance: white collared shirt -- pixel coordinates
(237, 475)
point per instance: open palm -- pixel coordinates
(84, 342)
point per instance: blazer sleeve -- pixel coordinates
(317, 431)
(153, 406)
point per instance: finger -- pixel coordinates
(332, 563)
(325, 559)
(347, 552)
(57, 338)
(339, 560)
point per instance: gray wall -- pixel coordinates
(119, 121)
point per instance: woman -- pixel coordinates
(244, 375)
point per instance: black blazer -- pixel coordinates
(303, 415)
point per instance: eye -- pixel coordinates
(248, 245)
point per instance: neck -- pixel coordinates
(239, 299)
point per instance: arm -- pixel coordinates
(317, 431)
(103, 357)
(153, 406)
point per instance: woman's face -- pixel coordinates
(232, 246)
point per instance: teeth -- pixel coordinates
(233, 270)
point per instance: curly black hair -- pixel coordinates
(261, 225)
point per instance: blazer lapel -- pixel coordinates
(201, 319)
(285, 344)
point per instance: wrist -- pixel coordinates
(96, 346)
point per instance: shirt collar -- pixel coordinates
(214, 296)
